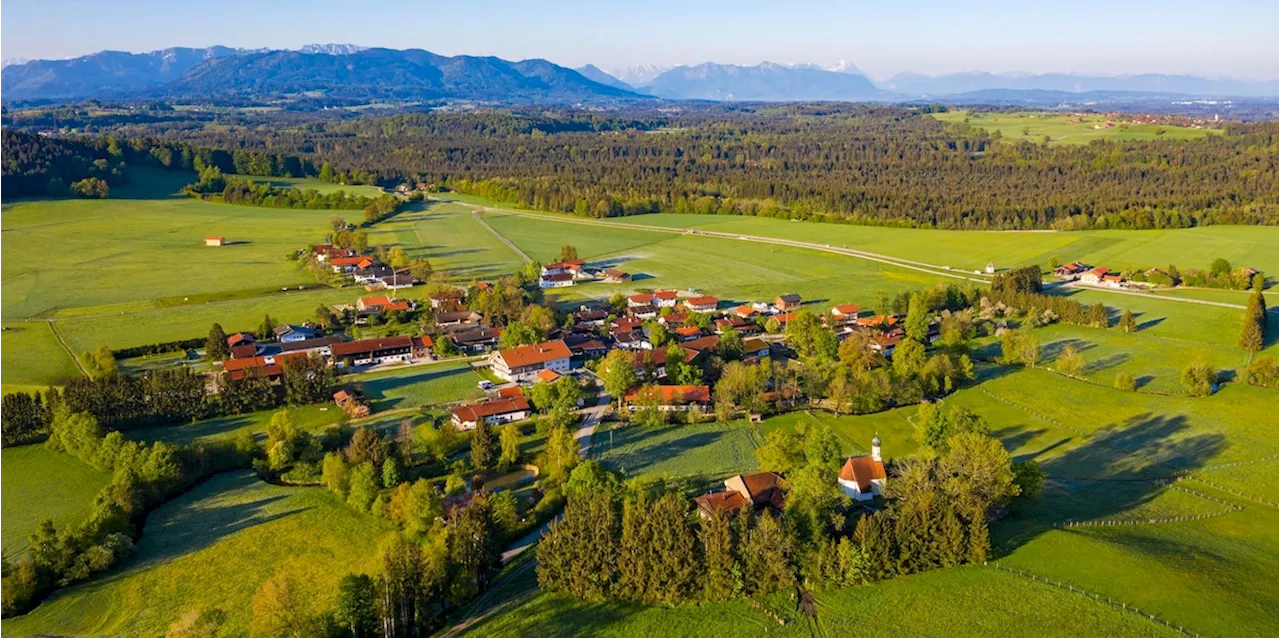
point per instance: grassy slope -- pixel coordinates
(940, 603)
(39, 485)
(419, 385)
(707, 452)
(1062, 130)
(213, 547)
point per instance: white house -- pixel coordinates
(510, 405)
(862, 478)
(1094, 276)
(556, 280)
(523, 363)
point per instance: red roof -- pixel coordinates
(523, 356)
(564, 276)
(744, 311)
(641, 298)
(728, 500)
(846, 309)
(238, 338)
(877, 320)
(666, 294)
(424, 341)
(548, 375)
(1098, 272)
(862, 470)
(676, 394)
(350, 261)
(688, 331)
(367, 346)
(785, 317)
(702, 343)
(492, 407)
(704, 300)
(1115, 278)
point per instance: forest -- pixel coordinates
(846, 163)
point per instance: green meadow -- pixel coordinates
(30, 355)
(1070, 128)
(211, 549)
(143, 243)
(445, 234)
(734, 271)
(41, 485)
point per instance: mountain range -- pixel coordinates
(344, 72)
(354, 73)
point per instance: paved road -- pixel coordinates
(590, 419)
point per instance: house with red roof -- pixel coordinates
(504, 408)
(845, 312)
(703, 303)
(523, 363)
(671, 398)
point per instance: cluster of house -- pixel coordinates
(1085, 274)
(251, 358)
(861, 478)
(362, 269)
(563, 274)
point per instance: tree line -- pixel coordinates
(855, 163)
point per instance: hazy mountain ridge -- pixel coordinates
(768, 82)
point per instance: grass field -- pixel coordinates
(940, 603)
(446, 234)
(212, 548)
(1068, 128)
(699, 454)
(419, 385)
(31, 355)
(304, 183)
(75, 253)
(714, 265)
(40, 485)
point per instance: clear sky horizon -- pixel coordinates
(1229, 38)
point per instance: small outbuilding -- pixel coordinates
(215, 241)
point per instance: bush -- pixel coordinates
(1125, 382)
(1262, 372)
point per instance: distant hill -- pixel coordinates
(335, 71)
(593, 73)
(638, 75)
(767, 82)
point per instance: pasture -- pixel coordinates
(417, 386)
(39, 485)
(76, 253)
(931, 604)
(1070, 128)
(445, 234)
(31, 355)
(211, 549)
(705, 453)
(716, 266)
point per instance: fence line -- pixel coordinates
(1097, 597)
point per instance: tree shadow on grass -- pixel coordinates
(1114, 470)
(1105, 362)
(188, 524)
(646, 454)
(1150, 323)
(1052, 349)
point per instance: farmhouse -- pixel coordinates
(643, 312)
(264, 367)
(862, 478)
(643, 299)
(787, 302)
(655, 360)
(571, 267)
(745, 312)
(475, 339)
(215, 241)
(761, 490)
(523, 363)
(615, 276)
(688, 333)
(459, 317)
(1094, 276)
(756, 348)
(319, 345)
(288, 333)
(705, 303)
(556, 280)
(373, 351)
(510, 405)
(395, 282)
(671, 397)
(845, 312)
(350, 264)
(378, 304)
(1069, 272)
(666, 298)
(446, 298)
(1113, 281)
(372, 273)
(631, 340)
(590, 316)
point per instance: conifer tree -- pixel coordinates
(1127, 322)
(215, 346)
(979, 538)
(767, 557)
(1255, 323)
(482, 448)
(951, 546)
(722, 570)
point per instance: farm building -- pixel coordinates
(523, 363)
(787, 302)
(510, 405)
(704, 303)
(671, 398)
(215, 241)
(373, 351)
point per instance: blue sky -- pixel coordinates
(1238, 38)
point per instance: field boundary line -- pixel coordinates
(1097, 597)
(1120, 522)
(475, 214)
(848, 252)
(67, 349)
(1203, 302)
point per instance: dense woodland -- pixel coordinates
(861, 164)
